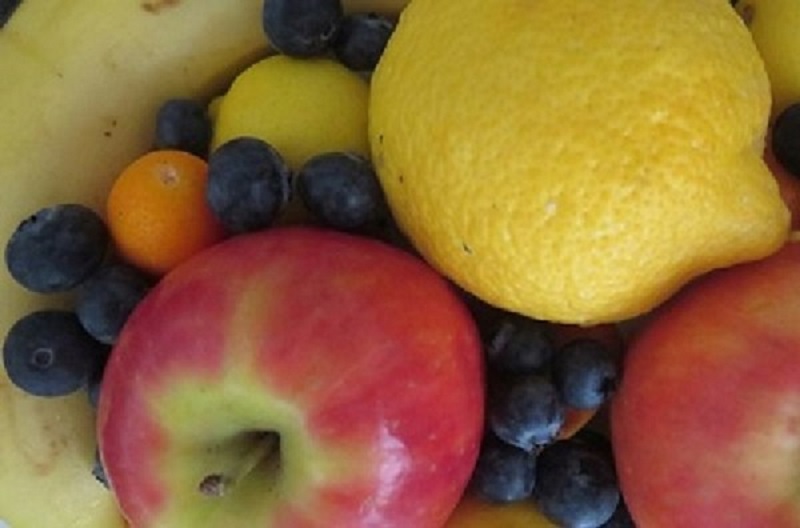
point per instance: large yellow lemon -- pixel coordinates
(571, 160)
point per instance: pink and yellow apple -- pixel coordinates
(706, 423)
(294, 378)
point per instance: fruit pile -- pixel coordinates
(247, 314)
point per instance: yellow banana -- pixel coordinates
(82, 80)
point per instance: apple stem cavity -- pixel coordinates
(266, 447)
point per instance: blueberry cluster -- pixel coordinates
(58, 249)
(532, 383)
(250, 184)
(310, 28)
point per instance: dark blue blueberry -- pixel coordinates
(98, 470)
(248, 184)
(182, 124)
(586, 373)
(342, 191)
(48, 353)
(526, 411)
(57, 248)
(503, 473)
(786, 139)
(361, 40)
(302, 28)
(576, 486)
(520, 345)
(7, 8)
(108, 297)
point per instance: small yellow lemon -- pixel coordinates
(302, 107)
(575, 161)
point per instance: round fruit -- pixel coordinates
(520, 345)
(342, 191)
(576, 485)
(585, 373)
(57, 248)
(362, 39)
(599, 177)
(48, 353)
(302, 28)
(526, 412)
(503, 473)
(107, 299)
(248, 184)
(302, 107)
(157, 210)
(183, 124)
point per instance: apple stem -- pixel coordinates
(219, 484)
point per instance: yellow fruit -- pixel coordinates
(775, 25)
(472, 512)
(575, 162)
(301, 107)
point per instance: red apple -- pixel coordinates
(706, 422)
(294, 378)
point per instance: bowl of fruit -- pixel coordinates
(383, 263)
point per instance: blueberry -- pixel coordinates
(503, 473)
(48, 353)
(108, 297)
(7, 8)
(786, 139)
(302, 28)
(248, 184)
(520, 344)
(361, 40)
(342, 191)
(585, 372)
(57, 248)
(183, 124)
(576, 486)
(526, 411)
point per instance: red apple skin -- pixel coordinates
(374, 350)
(706, 423)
